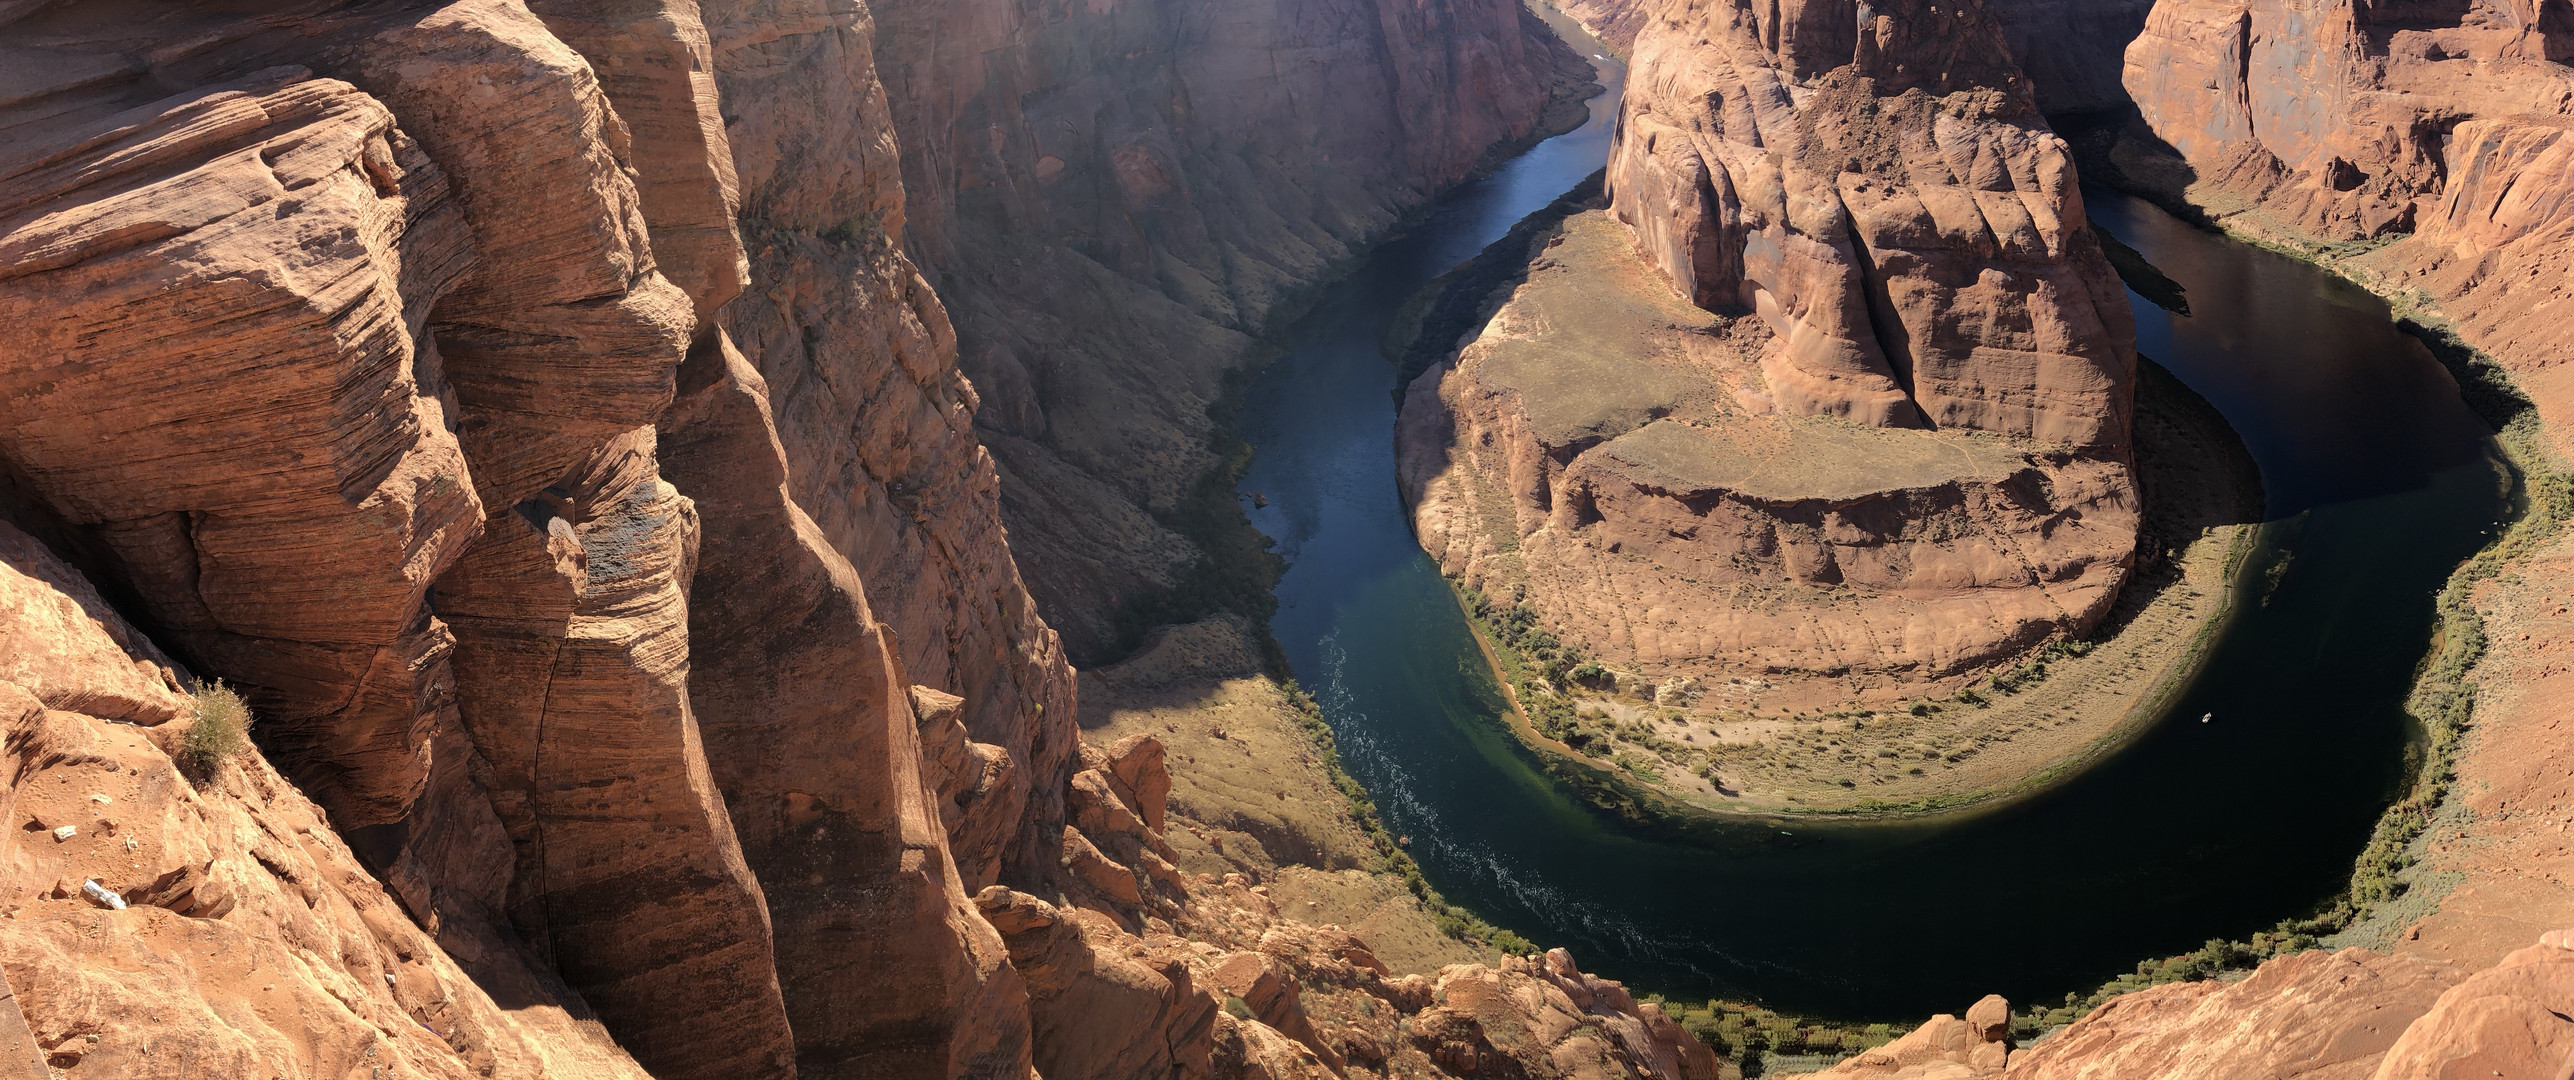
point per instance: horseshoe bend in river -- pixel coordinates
(2379, 482)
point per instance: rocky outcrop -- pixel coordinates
(1614, 22)
(253, 940)
(1112, 199)
(1945, 1048)
(533, 411)
(1608, 453)
(2319, 1014)
(876, 421)
(437, 340)
(1886, 198)
(2336, 120)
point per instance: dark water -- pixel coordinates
(2379, 483)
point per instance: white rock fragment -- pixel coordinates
(105, 896)
(65, 833)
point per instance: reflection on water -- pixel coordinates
(2379, 483)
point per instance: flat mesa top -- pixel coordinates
(1600, 349)
(1593, 341)
(1783, 459)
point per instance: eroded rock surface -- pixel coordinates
(1877, 185)
(1113, 199)
(519, 404)
(1609, 453)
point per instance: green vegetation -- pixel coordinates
(222, 729)
(1748, 1035)
(2444, 696)
(1454, 921)
(1237, 1008)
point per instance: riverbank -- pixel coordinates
(1597, 346)
(2003, 736)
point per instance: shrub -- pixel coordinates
(1240, 1009)
(222, 729)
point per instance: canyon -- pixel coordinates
(1825, 410)
(652, 467)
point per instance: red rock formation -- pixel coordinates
(1887, 198)
(1945, 1048)
(2320, 1014)
(1112, 198)
(874, 417)
(254, 941)
(407, 396)
(1614, 22)
(1599, 448)
(2335, 117)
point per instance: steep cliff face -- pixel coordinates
(1112, 198)
(2072, 50)
(415, 499)
(1604, 450)
(1887, 198)
(1871, 232)
(519, 404)
(2337, 119)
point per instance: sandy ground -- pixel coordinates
(1249, 792)
(2499, 862)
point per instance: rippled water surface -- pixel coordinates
(2379, 483)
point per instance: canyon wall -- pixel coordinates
(1868, 225)
(2419, 149)
(1887, 198)
(2070, 50)
(1113, 199)
(2337, 120)
(533, 412)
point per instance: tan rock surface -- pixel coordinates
(2331, 118)
(254, 940)
(811, 733)
(292, 550)
(1599, 447)
(1944, 1048)
(1112, 199)
(2315, 1014)
(876, 421)
(1888, 200)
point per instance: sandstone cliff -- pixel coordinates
(1114, 198)
(1871, 232)
(531, 409)
(2339, 119)
(1604, 449)
(1887, 198)
(2071, 50)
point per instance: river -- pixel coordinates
(2379, 483)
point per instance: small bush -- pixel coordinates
(1240, 1009)
(222, 729)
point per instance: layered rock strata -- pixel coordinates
(1871, 233)
(2340, 119)
(485, 318)
(1604, 450)
(1878, 186)
(1114, 199)
(517, 404)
